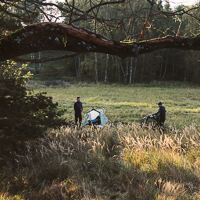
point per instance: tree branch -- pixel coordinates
(146, 22)
(58, 36)
(105, 3)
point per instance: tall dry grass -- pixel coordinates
(116, 162)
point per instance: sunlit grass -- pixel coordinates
(127, 104)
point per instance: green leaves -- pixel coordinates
(24, 115)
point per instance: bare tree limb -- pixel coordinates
(58, 36)
(146, 22)
(103, 4)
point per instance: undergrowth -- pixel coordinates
(116, 162)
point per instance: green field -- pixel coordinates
(128, 104)
(121, 161)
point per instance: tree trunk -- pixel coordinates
(161, 65)
(34, 64)
(166, 63)
(123, 65)
(126, 75)
(95, 67)
(77, 65)
(185, 76)
(135, 68)
(142, 72)
(131, 70)
(107, 56)
(119, 66)
(106, 70)
(173, 71)
(40, 64)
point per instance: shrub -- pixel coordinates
(23, 114)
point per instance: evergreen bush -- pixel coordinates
(23, 114)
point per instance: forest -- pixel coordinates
(128, 22)
(121, 56)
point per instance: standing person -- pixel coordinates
(161, 115)
(78, 108)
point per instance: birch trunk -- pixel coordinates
(131, 70)
(126, 74)
(40, 64)
(34, 64)
(122, 68)
(106, 70)
(161, 65)
(185, 76)
(135, 68)
(166, 64)
(119, 71)
(77, 65)
(117, 62)
(95, 67)
(173, 64)
(143, 62)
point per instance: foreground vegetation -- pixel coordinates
(120, 161)
(117, 162)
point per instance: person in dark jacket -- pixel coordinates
(160, 114)
(78, 108)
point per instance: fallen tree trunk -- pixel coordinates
(57, 36)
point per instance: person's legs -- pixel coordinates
(78, 118)
(161, 127)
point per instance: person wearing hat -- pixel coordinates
(161, 115)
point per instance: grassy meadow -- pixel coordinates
(121, 161)
(129, 104)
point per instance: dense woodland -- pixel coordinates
(128, 21)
